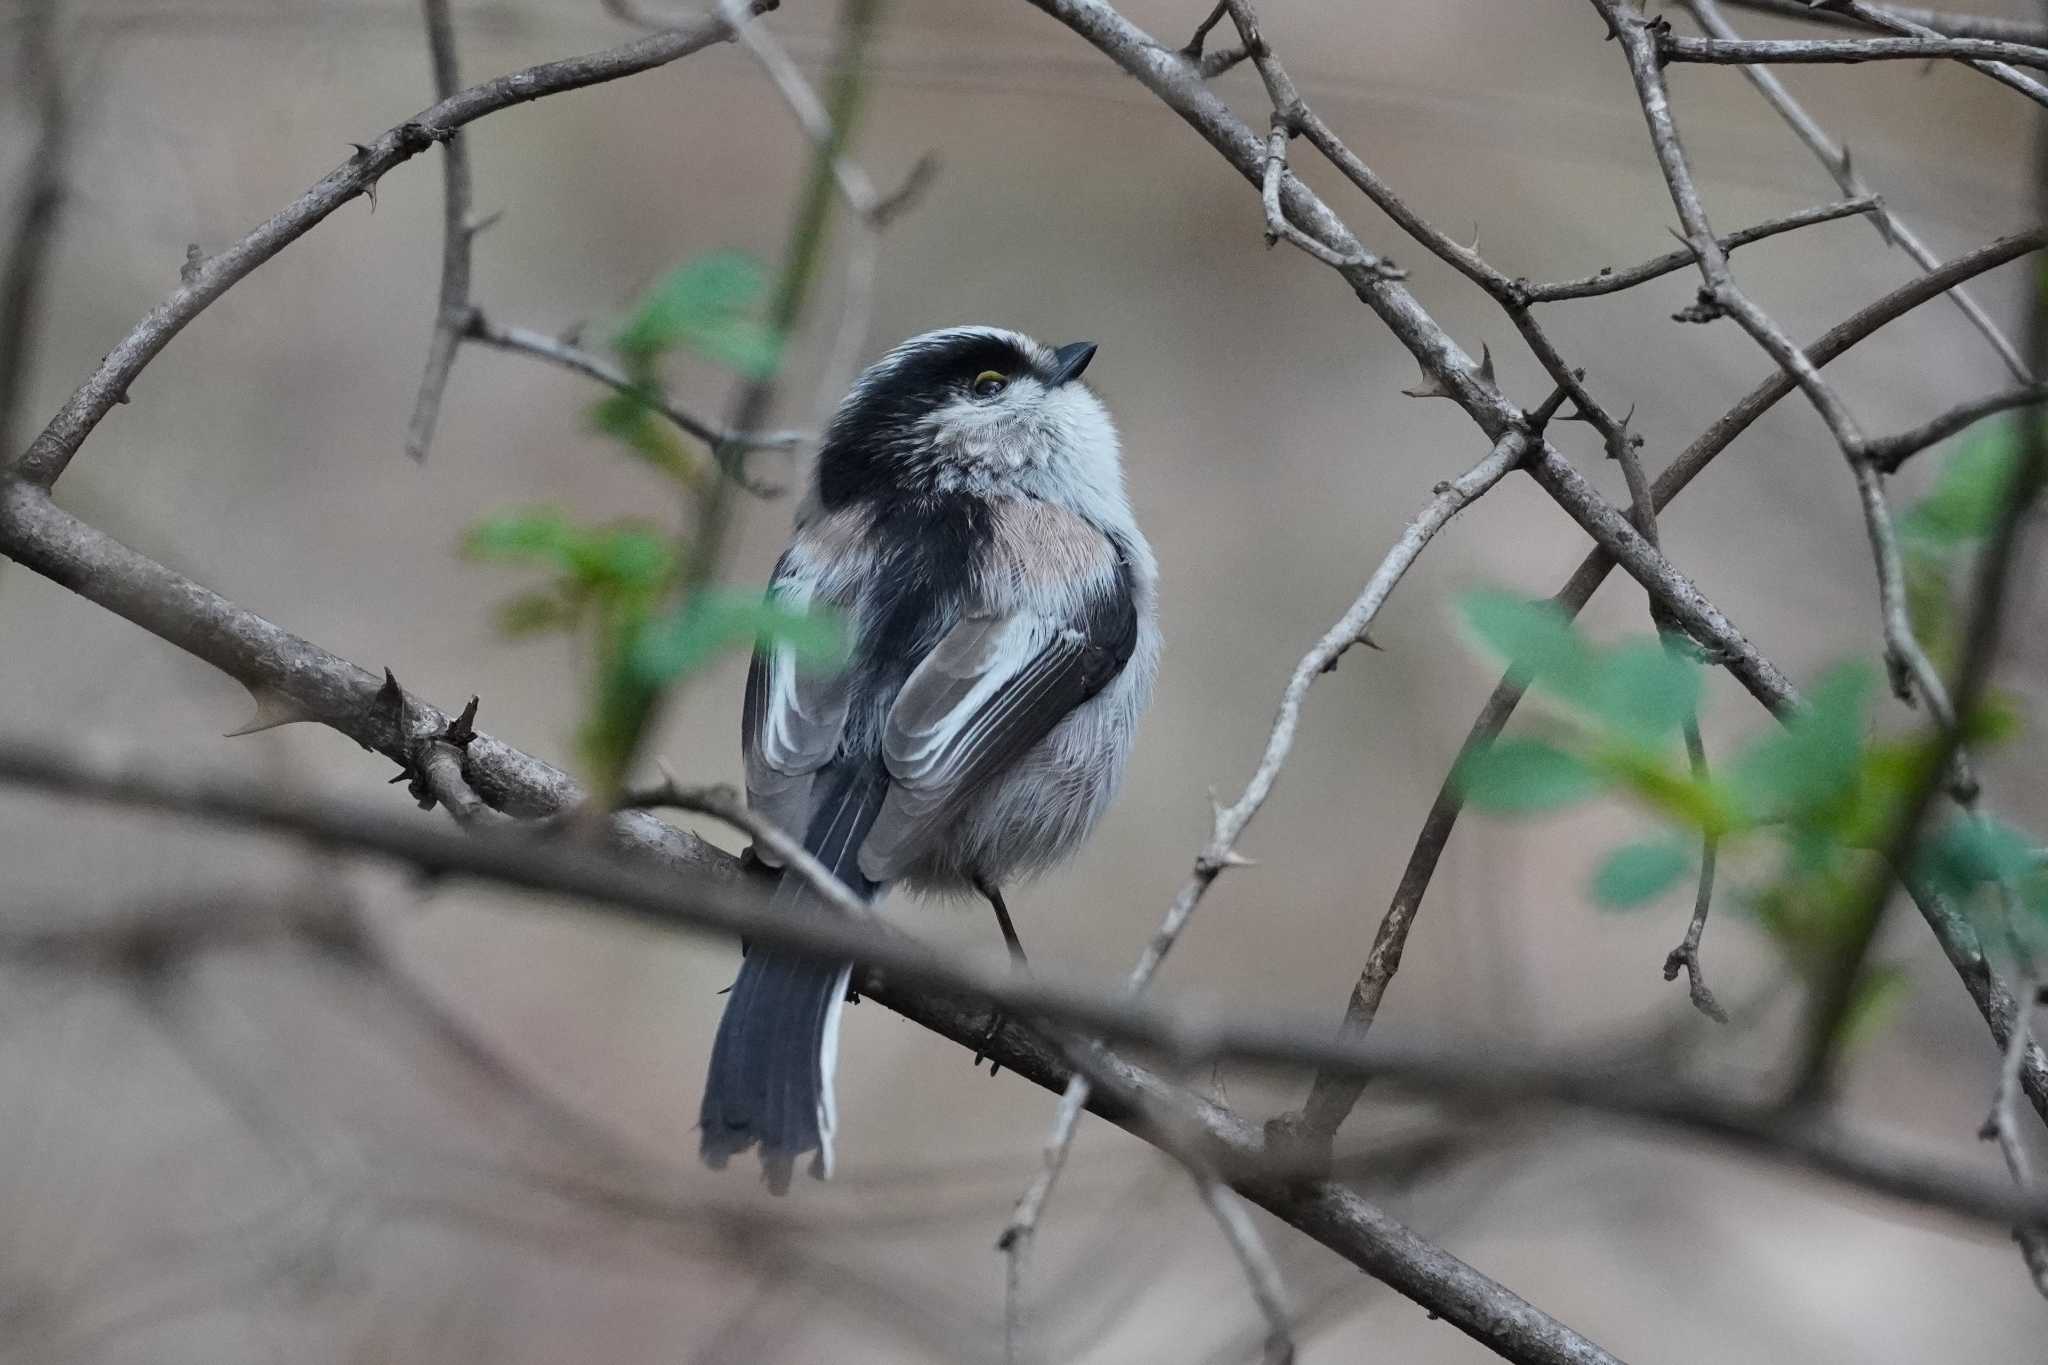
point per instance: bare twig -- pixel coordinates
(457, 232)
(1687, 954)
(109, 382)
(1643, 511)
(1912, 671)
(1230, 821)
(1893, 22)
(1941, 21)
(2000, 1125)
(25, 273)
(1834, 157)
(556, 351)
(724, 804)
(1277, 226)
(1675, 47)
(1889, 452)
(1612, 281)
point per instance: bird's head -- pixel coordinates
(972, 410)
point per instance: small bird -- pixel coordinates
(967, 521)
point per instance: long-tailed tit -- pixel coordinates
(968, 521)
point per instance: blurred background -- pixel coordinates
(269, 1155)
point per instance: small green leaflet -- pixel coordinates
(1816, 758)
(1967, 496)
(1636, 874)
(707, 306)
(1641, 689)
(719, 620)
(1533, 635)
(1519, 775)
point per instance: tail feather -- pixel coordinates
(770, 1082)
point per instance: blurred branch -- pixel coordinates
(1834, 157)
(213, 276)
(25, 271)
(458, 230)
(918, 980)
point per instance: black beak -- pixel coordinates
(1069, 360)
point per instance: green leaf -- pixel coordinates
(534, 613)
(1994, 720)
(705, 305)
(1879, 993)
(1973, 851)
(716, 621)
(1534, 636)
(1645, 689)
(543, 534)
(1815, 759)
(1967, 496)
(1635, 874)
(1519, 775)
(627, 556)
(1930, 601)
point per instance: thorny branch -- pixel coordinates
(1611, 281)
(1834, 158)
(1332, 1098)
(1912, 671)
(1674, 47)
(1940, 21)
(1890, 22)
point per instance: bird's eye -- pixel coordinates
(989, 383)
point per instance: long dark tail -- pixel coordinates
(771, 1066)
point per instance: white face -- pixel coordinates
(1029, 439)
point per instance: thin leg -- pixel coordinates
(995, 900)
(1017, 959)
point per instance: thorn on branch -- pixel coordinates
(462, 729)
(905, 195)
(390, 704)
(1704, 308)
(273, 708)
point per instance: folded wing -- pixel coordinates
(994, 686)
